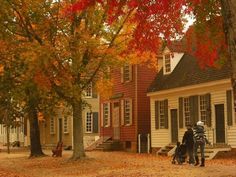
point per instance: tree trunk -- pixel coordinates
(35, 145)
(229, 17)
(78, 141)
(8, 138)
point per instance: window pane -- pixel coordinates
(127, 112)
(162, 114)
(89, 122)
(105, 114)
(65, 125)
(186, 111)
(203, 107)
(126, 73)
(167, 63)
(52, 125)
(88, 91)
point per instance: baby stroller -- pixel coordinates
(180, 154)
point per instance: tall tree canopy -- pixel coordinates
(213, 20)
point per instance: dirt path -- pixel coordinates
(109, 164)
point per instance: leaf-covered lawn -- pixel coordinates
(110, 164)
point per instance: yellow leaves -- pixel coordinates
(105, 87)
(1, 69)
(82, 25)
(143, 58)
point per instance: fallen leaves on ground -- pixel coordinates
(110, 164)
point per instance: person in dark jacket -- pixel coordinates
(189, 142)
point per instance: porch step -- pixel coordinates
(210, 151)
(94, 145)
(108, 145)
(164, 151)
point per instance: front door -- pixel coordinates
(60, 130)
(116, 120)
(174, 125)
(220, 123)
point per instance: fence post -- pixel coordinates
(148, 143)
(139, 143)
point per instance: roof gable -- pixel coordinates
(186, 73)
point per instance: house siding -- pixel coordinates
(136, 90)
(50, 139)
(143, 114)
(162, 137)
(127, 133)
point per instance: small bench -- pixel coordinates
(57, 152)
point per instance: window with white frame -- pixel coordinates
(162, 114)
(89, 91)
(127, 111)
(126, 73)
(52, 125)
(203, 108)
(89, 122)
(106, 114)
(65, 127)
(167, 63)
(186, 112)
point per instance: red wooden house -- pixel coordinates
(127, 113)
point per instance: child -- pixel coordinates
(179, 155)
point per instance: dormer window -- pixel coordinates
(167, 63)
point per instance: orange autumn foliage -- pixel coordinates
(42, 81)
(104, 87)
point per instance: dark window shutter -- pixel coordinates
(157, 114)
(166, 113)
(229, 107)
(95, 122)
(193, 103)
(191, 108)
(208, 107)
(181, 113)
(196, 108)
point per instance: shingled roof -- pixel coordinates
(186, 73)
